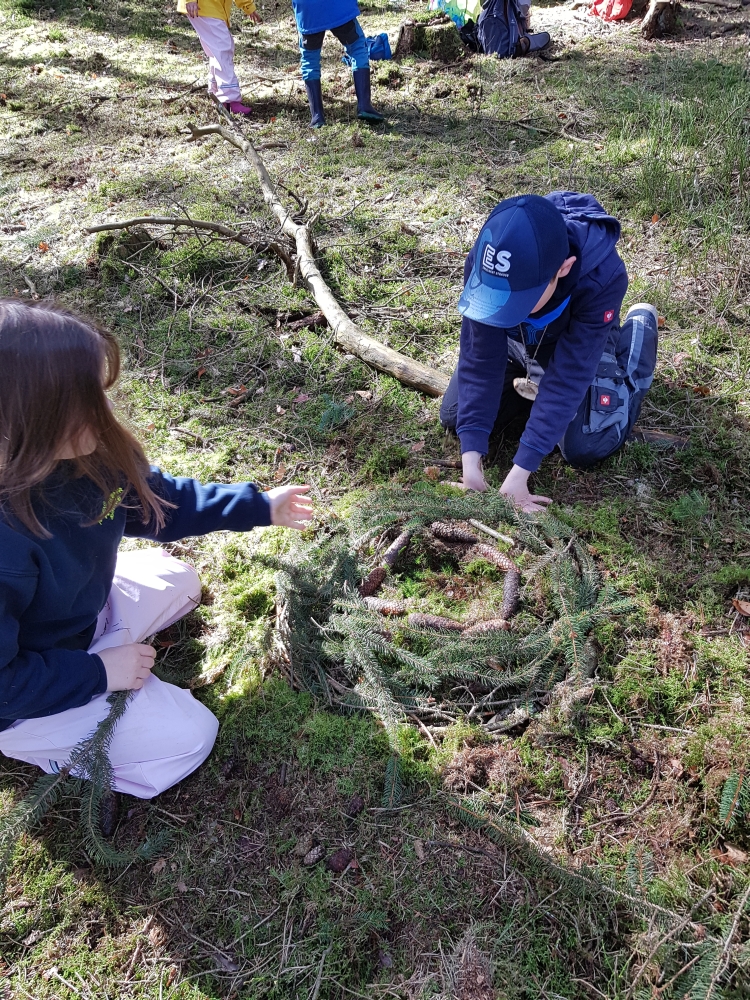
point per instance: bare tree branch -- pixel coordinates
(158, 220)
(345, 333)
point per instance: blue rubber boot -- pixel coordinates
(315, 99)
(365, 110)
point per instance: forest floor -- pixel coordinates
(95, 100)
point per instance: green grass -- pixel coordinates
(94, 121)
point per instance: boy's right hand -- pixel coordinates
(191, 8)
(127, 667)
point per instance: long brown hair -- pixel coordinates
(55, 368)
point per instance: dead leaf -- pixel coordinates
(201, 372)
(419, 849)
(661, 322)
(280, 410)
(150, 427)
(680, 358)
(363, 393)
(354, 806)
(181, 887)
(302, 398)
(44, 247)
(655, 218)
(742, 606)
(417, 446)
(432, 472)
(234, 391)
(702, 390)
(225, 963)
(731, 855)
(160, 865)
(280, 473)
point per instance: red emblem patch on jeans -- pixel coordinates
(605, 400)
(609, 315)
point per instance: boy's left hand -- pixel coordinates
(255, 17)
(290, 507)
(191, 8)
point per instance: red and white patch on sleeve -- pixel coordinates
(609, 315)
(605, 400)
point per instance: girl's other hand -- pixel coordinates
(192, 8)
(127, 666)
(255, 17)
(290, 507)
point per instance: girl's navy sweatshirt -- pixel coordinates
(52, 589)
(596, 286)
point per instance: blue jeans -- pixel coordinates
(351, 37)
(598, 429)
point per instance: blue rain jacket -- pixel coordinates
(323, 15)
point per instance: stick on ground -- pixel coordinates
(345, 333)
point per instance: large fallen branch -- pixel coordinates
(345, 333)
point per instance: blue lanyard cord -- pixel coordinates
(531, 326)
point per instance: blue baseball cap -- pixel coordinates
(520, 249)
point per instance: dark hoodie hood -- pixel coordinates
(589, 226)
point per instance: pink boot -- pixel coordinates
(237, 107)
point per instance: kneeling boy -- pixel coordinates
(541, 338)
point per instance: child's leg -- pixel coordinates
(353, 39)
(165, 733)
(218, 44)
(150, 591)
(309, 47)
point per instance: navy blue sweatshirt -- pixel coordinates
(52, 589)
(596, 286)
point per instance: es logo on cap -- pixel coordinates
(495, 261)
(609, 315)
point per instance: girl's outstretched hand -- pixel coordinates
(290, 507)
(128, 666)
(255, 17)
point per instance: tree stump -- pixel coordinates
(444, 42)
(407, 39)
(660, 19)
(440, 39)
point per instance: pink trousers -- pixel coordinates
(165, 734)
(218, 44)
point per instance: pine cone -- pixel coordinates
(453, 533)
(391, 553)
(511, 597)
(314, 855)
(492, 555)
(385, 607)
(491, 625)
(433, 621)
(372, 581)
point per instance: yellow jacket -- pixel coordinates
(218, 8)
